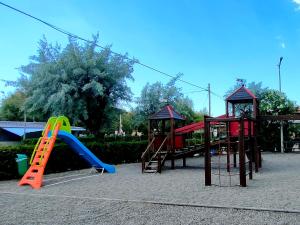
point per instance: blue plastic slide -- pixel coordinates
(84, 152)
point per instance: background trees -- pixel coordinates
(155, 96)
(12, 107)
(78, 81)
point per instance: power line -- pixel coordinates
(86, 40)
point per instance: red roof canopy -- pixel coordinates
(167, 112)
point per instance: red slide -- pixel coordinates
(193, 127)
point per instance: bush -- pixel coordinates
(63, 158)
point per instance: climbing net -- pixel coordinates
(225, 163)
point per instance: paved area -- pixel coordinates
(173, 197)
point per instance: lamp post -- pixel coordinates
(281, 122)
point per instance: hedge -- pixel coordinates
(63, 158)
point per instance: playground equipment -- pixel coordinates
(166, 142)
(240, 132)
(237, 137)
(57, 127)
(232, 139)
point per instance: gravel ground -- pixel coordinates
(94, 199)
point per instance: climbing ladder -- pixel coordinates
(152, 161)
(42, 151)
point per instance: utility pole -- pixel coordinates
(281, 122)
(24, 136)
(209, 100)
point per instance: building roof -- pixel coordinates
(20, 128)
(167, 112)
(241, 94)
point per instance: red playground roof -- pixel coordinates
(167, 112)
(193, 127)
(241, 94)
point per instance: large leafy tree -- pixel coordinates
(273, 102)
(78, 81)
(155, 96)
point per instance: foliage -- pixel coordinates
(78, 81)
(256, 88)
(63, 158)
(273, 102)
(155, 96)
(12, 107)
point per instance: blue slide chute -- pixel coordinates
(84, 152)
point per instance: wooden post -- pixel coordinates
(228, 147)
(259, 158)
(172, 143)
(234, 154)
(256, 153)
(207, 159)
(242, 154)
(159, 163)
(250, 147)
(149, 131)
(143, 165)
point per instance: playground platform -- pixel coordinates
(130, 197)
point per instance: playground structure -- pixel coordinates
(240, 136)
(237, 137)
(57, 127)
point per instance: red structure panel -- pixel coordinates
(179, 141)
(234, 128)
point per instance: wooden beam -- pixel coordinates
(207, 159)
(280, 117)
(242, 154)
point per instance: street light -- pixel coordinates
(279, 75)
(281, 123)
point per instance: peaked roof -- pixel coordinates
(166, 112)
(241, 94)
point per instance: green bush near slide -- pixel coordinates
(63, 158)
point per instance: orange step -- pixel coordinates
(34, 175)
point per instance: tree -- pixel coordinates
(155, 96)
(273, 102)
(12, 107)
(256, 88)
(77, 81)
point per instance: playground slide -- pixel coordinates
(57, 127)
(193, 127)
(84, 152)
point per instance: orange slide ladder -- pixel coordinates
(41, 153)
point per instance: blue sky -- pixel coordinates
(208, 41)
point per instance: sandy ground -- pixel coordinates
(129, 197)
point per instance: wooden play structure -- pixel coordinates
(164, 142)
(239, 139)
(230, 146)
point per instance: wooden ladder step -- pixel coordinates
(150, 171)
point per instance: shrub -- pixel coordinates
(63, 158)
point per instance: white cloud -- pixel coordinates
(297, 2)
(280, 40)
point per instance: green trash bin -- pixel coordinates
(22, 162)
